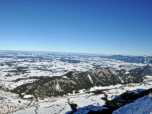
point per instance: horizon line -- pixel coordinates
(71, 52)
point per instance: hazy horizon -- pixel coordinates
(72, 53)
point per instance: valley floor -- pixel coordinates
(86, 101)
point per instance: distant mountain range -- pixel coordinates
(75, 81)
(45, 52)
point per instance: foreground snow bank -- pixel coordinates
(140, 106)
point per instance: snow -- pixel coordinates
(60, 105)
(115, 92)
(11, 100)
(27, 96)
(64, 77)
(105, 87)
(11, 85)
(58, 66)
(140, 106)
(90, 79)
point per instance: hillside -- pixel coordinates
(141, 106)
(75, 81)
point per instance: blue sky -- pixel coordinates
(84, 26)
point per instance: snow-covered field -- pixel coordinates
(116, 90)
(10, 102)
(53, 67)
(12, 85)
(61, 106)
(85, 101)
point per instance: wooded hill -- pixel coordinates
(61, 85)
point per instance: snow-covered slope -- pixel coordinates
(140, 106)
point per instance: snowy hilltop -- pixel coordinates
(140, 106)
